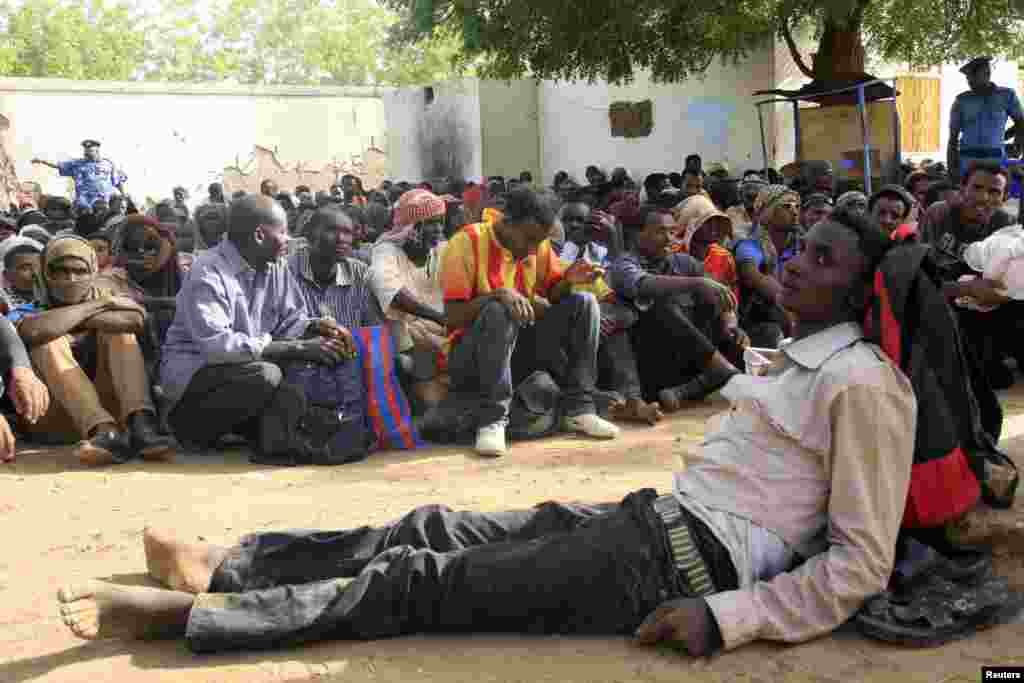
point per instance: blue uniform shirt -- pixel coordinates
(93, 179)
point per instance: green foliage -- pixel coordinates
(675, 40)
(300, 42)
(74, 39)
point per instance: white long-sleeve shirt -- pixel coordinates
(817, 451)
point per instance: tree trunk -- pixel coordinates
(840, 55)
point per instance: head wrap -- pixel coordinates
(816, 199)
(851, 196)
(166, 280)
(40, 235)
(17, 241)
(770, 197)
(60, 248)
(897, 190)
(698, 221)
(415, 206)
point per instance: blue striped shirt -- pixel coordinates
(349, 299)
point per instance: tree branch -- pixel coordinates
(787, 35)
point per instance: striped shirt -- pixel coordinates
(349, 299)
(476, 264)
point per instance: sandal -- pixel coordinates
(935, 609)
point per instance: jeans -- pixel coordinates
(246, 398)
(496, 353)
(583, 569)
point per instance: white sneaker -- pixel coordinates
(591, 425)
(490, 440)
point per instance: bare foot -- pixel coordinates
(635, 410)
(92, 455)
(95, 609)
(178, 565)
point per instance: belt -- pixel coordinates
(686, 556)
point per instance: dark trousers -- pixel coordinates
(586, 569)
(762, 320)
(618, 365)
(995, 334)
(250, 399)
(496, 353)
(674, 342)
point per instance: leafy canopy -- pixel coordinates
(679, 39)
(301, 42)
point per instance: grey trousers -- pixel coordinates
(497, 352)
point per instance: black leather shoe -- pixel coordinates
(272, 459)
(147, 442)
(696, 389)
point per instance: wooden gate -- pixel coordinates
(919, 105)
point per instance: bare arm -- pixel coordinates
(953, 146)
(406, 302)
(462, 314)
(116, 322)
(765, 285)
(46, 163)
(661, 285)
(1018, 138)
(49, 325)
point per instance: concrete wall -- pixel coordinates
(510, 133)
(165, 134)
(425, 137)
(714, 117)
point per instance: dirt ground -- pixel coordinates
(61, 523)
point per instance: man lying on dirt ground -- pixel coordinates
(779, 528)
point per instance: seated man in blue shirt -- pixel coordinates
(239, 315)
(681, 328)
(978, 118)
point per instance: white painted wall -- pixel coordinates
(165, 134)
(410, 120)
(510, 134)
(714, 117)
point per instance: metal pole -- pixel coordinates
(898, 152)
(764, 146)
(865, 133)
(798, 147)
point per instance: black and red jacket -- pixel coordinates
(959, 417)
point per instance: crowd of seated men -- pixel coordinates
(139, 326)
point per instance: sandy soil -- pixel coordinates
(62, 523)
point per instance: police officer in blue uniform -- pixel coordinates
(978, 119)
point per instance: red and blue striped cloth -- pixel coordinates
(387, 407)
